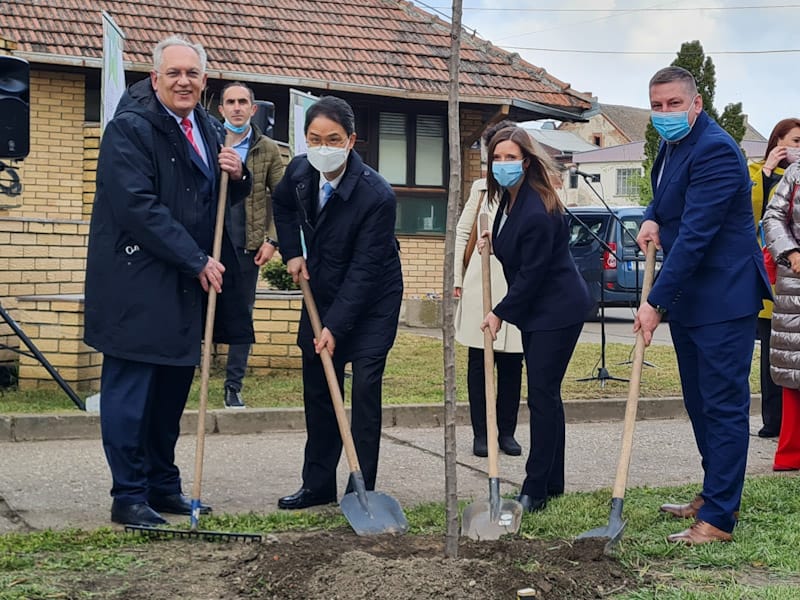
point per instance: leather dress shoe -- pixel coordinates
(303, 498)
(176, 504)
(700, 532)
(766, 432)
(135, 514)
(684, 511)
(509, 445)
(531, 504)
(479, 447)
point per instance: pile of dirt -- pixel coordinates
(338, 565)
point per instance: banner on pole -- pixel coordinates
(113, 77)
(299, 103)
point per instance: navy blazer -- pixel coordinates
(352, 254)
(713, 269)
(545, 289)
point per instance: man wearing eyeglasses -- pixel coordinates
(148, 272)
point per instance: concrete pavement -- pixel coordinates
(64, 483)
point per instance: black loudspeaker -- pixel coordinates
(264, 118)
(15, 114)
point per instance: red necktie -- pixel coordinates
(186, 124)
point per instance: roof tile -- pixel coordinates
(384, 43)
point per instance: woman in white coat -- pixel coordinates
(469, 315)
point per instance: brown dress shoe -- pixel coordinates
(684, 511)
(700, 533)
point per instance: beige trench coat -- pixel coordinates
(470, 313)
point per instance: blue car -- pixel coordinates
(614, 277)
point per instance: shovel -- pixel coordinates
(369, 513)
(613, 531)
(499, 516)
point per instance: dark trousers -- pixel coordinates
(509, 382)
(324, 443)
(771, 393)
(238, 353)
(140, 412)
(714, 364)
(547, 354)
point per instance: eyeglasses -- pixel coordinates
(176, 74)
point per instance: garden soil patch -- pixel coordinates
(338, 565)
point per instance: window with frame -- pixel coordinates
(412, 154)
(628, 182)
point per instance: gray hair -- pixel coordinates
(177, 40)
(673, 73)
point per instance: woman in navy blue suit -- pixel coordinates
(547, 298)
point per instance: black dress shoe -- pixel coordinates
(176, 504)
(509, 445)
(135, 514)
(479, 447)
(766, 432)
(531, 504)
(304, 498)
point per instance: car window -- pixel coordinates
(631, 226)
(580, 236)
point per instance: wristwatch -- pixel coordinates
(271, 242)
(658, 308)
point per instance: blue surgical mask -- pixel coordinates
(671, 126)
(231, 127)
(508, 173)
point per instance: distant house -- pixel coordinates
(388, 58)
(614, 124)
(620, 133)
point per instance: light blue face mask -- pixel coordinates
(231, 127)
(508, 173)
(671, 126)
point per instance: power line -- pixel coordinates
(653, 53)
(615, 10)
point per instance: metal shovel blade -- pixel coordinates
(489, 520)
(373, 513)
(613, 531)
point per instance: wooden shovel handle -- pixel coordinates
(208, 336)
(330, 377)
(488, 354)
(621, 480)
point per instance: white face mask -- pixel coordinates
(327, 159)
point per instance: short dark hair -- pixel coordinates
(237, 84)
(335, 109)
(673, 73)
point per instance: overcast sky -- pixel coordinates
(767, 84)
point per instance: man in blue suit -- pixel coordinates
(712, 284)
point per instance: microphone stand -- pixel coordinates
(602, 372)
(636, 260)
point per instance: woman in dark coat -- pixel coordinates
(335, 219)
(547, 298)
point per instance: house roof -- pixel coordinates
(565, 142)
(632, 152)
(632, 122)
(383, 47)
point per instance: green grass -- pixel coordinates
(414, 375)
(762, 562)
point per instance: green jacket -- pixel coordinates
(266, 167)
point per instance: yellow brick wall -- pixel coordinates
(52, 174)
(91, 150)
(55, 325)
(422, 258)
(276, 317)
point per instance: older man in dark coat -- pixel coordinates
(148, 269)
